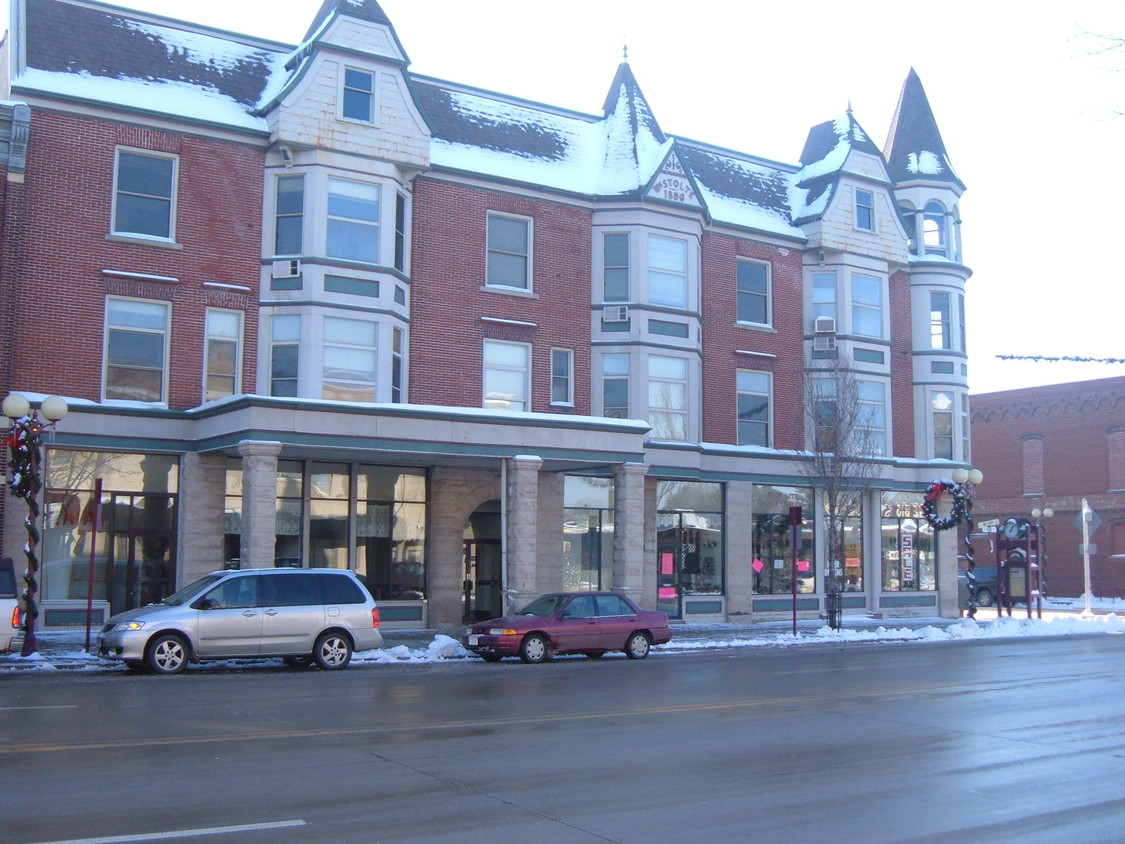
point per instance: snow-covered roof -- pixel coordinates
(148, 63)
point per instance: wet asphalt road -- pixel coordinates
(1018, 740)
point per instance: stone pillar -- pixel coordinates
(551, 569)
(259, 502)
(738, 543)
(522, 507)
(202, 515)
(629, 532)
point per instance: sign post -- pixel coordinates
(795, 527)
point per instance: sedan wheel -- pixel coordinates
(637, 646)
(167, 654)
(535, 649)
(491, 657)
(333, 651)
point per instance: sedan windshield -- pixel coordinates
(543, 606)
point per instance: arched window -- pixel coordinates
(933, 229)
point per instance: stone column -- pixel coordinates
(202, 515)
(629, 532)
(738, 542)
(522, 508)
(551, 569)
(259, 502)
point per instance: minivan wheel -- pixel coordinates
(167, 654)
(298, 661)
(985, 598)
(332, 651)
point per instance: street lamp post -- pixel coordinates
(966, 479)
(1038, 515)
(24, 453)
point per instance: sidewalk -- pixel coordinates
(65, 650)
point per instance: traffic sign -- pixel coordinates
(1095, 520)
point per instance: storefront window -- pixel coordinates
(772, 560)
(288, 546)
(328, 515)
(587, 533)
(391, 532)
(135, 542)
(909, 552)
(689, 542)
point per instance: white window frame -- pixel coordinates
(278, 215)
(494, 249)
(371, 95)
(663, 409)
(941, 320)
(766, 296)
(562, 383)
(864, 200)
(860, 308)
(744, 388)
(171, 199)
(373, 224)
(607, 268)
(951, 411)
(822, 306)
(286, 340)
(872, 409)
(677, 278)
(935, 237)
(214, 336)
(612, 370)
(111, 328)
(360, 352)
(504, 369)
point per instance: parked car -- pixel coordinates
(301, 615)
(589, 623)
(10, 636)
(987, 588)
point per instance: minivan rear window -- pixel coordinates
(336, 589)
(7, 578)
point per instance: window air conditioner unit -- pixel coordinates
(286, 269)
(618, 313)
(824, 325)
(824, 343)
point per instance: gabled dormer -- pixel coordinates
(927, 188)
(841, 196)
(347, 90)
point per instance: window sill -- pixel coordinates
(756, 326)
(509, 291)
(141, 240)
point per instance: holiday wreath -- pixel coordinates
(930, 505)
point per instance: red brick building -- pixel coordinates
(311, 308)
(1051, 447)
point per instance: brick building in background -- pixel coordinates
(310, 308)
(1051, 447)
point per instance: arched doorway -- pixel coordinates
(483, 586)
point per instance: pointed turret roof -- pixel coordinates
(367, 10)
(635, 144)
(914, 147)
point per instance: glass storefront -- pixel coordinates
(773, 540)
(133, 549)
(587, 552)
(689, 543)
(909, 549)
(371, 519)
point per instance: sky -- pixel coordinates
(1027, 103)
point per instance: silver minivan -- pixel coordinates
(11, 637)
(300, 615)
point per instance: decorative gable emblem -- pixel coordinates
(673, 184)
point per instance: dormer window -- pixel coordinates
(864, 210)
(359, 95)
(933, 229)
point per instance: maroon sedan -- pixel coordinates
(588, 623)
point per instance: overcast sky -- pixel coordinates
(1026, 101)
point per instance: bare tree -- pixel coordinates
(847, 427)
